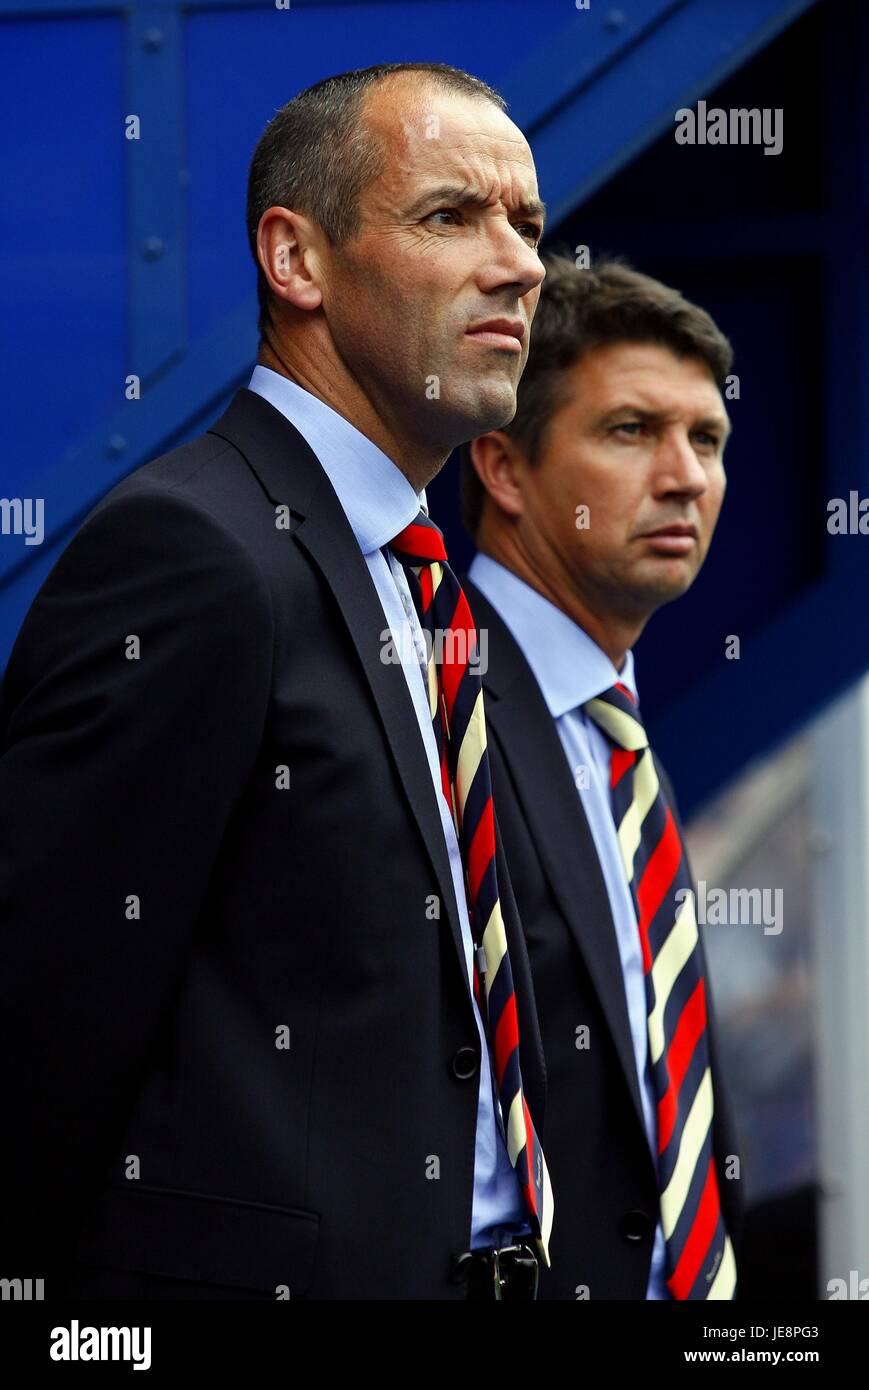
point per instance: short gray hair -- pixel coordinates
(316, 154)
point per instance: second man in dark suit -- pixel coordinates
(595, 506)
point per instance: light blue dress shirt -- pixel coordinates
(570, 668)
(379, 502)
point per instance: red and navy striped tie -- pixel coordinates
(456, 704)
(700, 1261)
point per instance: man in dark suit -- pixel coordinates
(243, 1057)
(591, 509)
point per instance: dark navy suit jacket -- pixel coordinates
(237, 1046)
(600, 1164)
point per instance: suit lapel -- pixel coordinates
(291, 474)
(556, 820)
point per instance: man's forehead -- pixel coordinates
(425, 125)
(651, 372)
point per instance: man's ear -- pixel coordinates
(288, 250)
(497, 463)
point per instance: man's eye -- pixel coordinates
(530, 230)
(531, 227)
(631, 426)
(706, 441)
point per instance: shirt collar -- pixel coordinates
(569, 667)
(377, 498)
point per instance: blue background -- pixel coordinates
(120, 257)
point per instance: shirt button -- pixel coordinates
(635, 1226)
(464, 1064)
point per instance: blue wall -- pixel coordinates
(120, 257)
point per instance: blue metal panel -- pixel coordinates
(596, 94)
(591, 89)
(135, 433)
(62, 283)
(157, 187)
(845, 381)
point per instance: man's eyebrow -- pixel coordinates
(718, 422)
(459, 195)
(721, 423)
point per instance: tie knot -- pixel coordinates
(420, 543)
(617, 713)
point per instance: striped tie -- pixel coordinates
(456, 701)
(700, 1261)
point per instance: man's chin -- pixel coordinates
(489, 409)
(672, 579)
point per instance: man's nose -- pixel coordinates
(678, 468)
(512, 261)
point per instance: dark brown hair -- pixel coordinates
(583, 309)
(317, 153)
